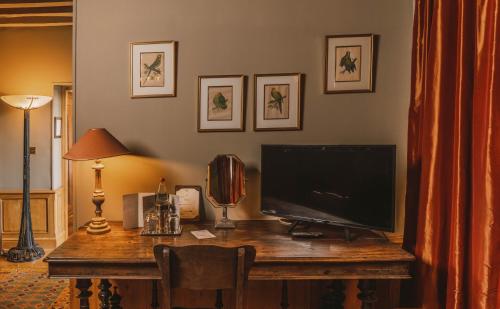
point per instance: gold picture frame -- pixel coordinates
(349, 63)
(236, 102)
(162, 59)
(293, 98)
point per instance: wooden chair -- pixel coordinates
(203, 267)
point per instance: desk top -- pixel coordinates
(270, 238)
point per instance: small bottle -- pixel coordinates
(161, 206)
(174, 219)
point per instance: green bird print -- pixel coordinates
(348, 63)
(153, 67)
(277, 100)
(220, 101)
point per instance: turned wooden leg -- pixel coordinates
(367, 294)
(115, 300)
(104, 293)
(284, 295)
(83, 285)
(334, 299)
(218, 301)
(154, 295)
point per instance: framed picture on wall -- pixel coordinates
(221, 103)
(278, 102)
(349, 63)
(153, 69)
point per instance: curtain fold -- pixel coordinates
(452, 221)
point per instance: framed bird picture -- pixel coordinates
(349, 63)
(153, 69)
(278, 102)
(221, 103)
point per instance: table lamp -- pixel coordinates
(26, 249)
(97, 144)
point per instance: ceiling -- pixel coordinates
(35, 13)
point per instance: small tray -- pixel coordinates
(178, 233)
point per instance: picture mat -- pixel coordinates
(236, 122)
(294, 106)
(169, 50)
(366, 56)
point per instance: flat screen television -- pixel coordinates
(346, 185)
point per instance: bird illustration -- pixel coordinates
(277, 101)
(348, 63)
(153, 67)
(219, 101)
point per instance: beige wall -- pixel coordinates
(31, 60)
(231, 37)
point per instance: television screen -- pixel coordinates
(336, 184)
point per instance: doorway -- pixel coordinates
(63, 139)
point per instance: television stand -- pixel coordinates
(306, 234)
(303, 234)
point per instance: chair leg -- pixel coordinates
(284, 295)
(218, 300)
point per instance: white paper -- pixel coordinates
(202, 234)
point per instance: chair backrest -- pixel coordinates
(203, 267)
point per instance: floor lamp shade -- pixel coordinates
(26, 102)
(26, 249)
(97, 144)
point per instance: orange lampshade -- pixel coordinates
(96, 144)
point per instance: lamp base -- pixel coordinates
(98, 225)
(19, 255)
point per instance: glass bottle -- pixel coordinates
(151, 222)
(161, 207)
(174, 218)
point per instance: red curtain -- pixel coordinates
(453, 188)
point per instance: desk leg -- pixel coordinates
(115, 300)
(218, 300)
(83, 285)
(367, 294)
(104, 293)
(154, 295)
(335, 297)
(284, 295)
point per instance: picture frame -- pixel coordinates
(57, 127)
(153, 69)
(191, 202)
(221, 103)
(349, 63)
(278, 102)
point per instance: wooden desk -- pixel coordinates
(124, 254)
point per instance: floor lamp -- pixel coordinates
(26, 249)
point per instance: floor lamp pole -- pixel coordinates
(26, 249)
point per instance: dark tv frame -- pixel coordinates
(335, 223)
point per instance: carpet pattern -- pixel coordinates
(26, 286)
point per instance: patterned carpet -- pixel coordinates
(26, 286)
